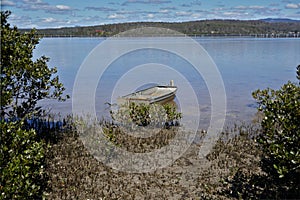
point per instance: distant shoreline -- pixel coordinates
(194, 36)
(203, 28)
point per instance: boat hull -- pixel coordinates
(156, 94)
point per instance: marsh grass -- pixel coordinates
(151, 115)
(75, 174)
(156, 139)
(231, 171)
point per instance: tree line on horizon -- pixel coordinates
(258, 28)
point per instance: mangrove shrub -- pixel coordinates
(22, 162)
(280, 134)
(24, 82)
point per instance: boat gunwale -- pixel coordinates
(154, 99)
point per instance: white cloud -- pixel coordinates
(218, 9)
(146, 2)
(150, 15)
(137, 10)
(102, 9)
(7, 3)
(254, 7)
(49, 20)
(241, 7)
(196, 15)
(127, 12)
(252, 11)
(292, 6)
(164, 11)
(34, 2)
(63, 7)
(230, 13)
(257, 7)
(21, 21)
(54, 22)
(115, 16)
(39, 5)
(183, 13)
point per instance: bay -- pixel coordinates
(245, 64)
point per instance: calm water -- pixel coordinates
(245, 64)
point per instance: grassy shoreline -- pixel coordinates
(226, 173)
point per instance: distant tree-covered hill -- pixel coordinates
(280, 20)
(259, 28)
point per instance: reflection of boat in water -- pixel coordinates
(156, 94)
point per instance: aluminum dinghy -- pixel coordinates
(156, 94)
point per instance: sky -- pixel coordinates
(70, 13)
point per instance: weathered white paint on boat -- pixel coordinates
(157, 94)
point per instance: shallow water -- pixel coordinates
(245, 64)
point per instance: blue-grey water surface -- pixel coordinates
(245, 64)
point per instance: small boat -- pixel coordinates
(156, 94)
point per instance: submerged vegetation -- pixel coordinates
(42, 158)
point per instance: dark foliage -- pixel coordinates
(280, 133)
(24, 82)
(22, 157)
